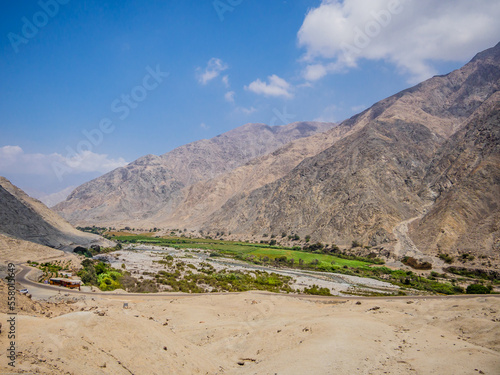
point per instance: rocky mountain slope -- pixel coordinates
(204, 198)
(137, 192)
(465, 177)
(374, 177)
(28, 219)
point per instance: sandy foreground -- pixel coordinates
(249, 333)
(255, 333)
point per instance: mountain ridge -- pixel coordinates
(137, 192)
(428, 113)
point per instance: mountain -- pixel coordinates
(205, 197)
(134, 194)
(375, 177)
(465, 178)
(28, 219)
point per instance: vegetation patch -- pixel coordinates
(51, 269)
(95, 250)
(447, 258)
(478, 289)
(475, 273)
(415, 264)
(100, 274)
(316, 290)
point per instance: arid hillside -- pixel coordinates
(25, 218)
(254, 333)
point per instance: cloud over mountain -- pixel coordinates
(412, 35)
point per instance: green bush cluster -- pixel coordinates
(447, 258)
(478, 289)
(406, 279)
(95, 250)
(93, 229)
(100, 274)
(208, 279)
(316, 290)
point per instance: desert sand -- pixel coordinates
(247, 333)
(255, 333)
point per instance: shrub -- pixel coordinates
(477, 289)
(82, 251)
(467, 257)
(458, 289)
(356, 244)
(447, 258)
(316, 290)
(414, 263)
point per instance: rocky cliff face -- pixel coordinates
(28, 219)
(152, 185)
(464, 176)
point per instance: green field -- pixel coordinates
(324, 260)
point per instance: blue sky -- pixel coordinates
(144, 77)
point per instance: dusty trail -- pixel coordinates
(406, 247)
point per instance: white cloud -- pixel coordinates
(246, 111)
(88, 161)
(14, 160)
(276, 86)
(213, 69)
(225, 80)
(204, 126)
(315, 72)
(410, 34)
(229, 96)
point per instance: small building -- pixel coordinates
(65, 274)
(68, 283)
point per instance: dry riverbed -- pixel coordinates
(144, 261)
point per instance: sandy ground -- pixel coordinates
(19, 251)
(248, 333)
(255, 333)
